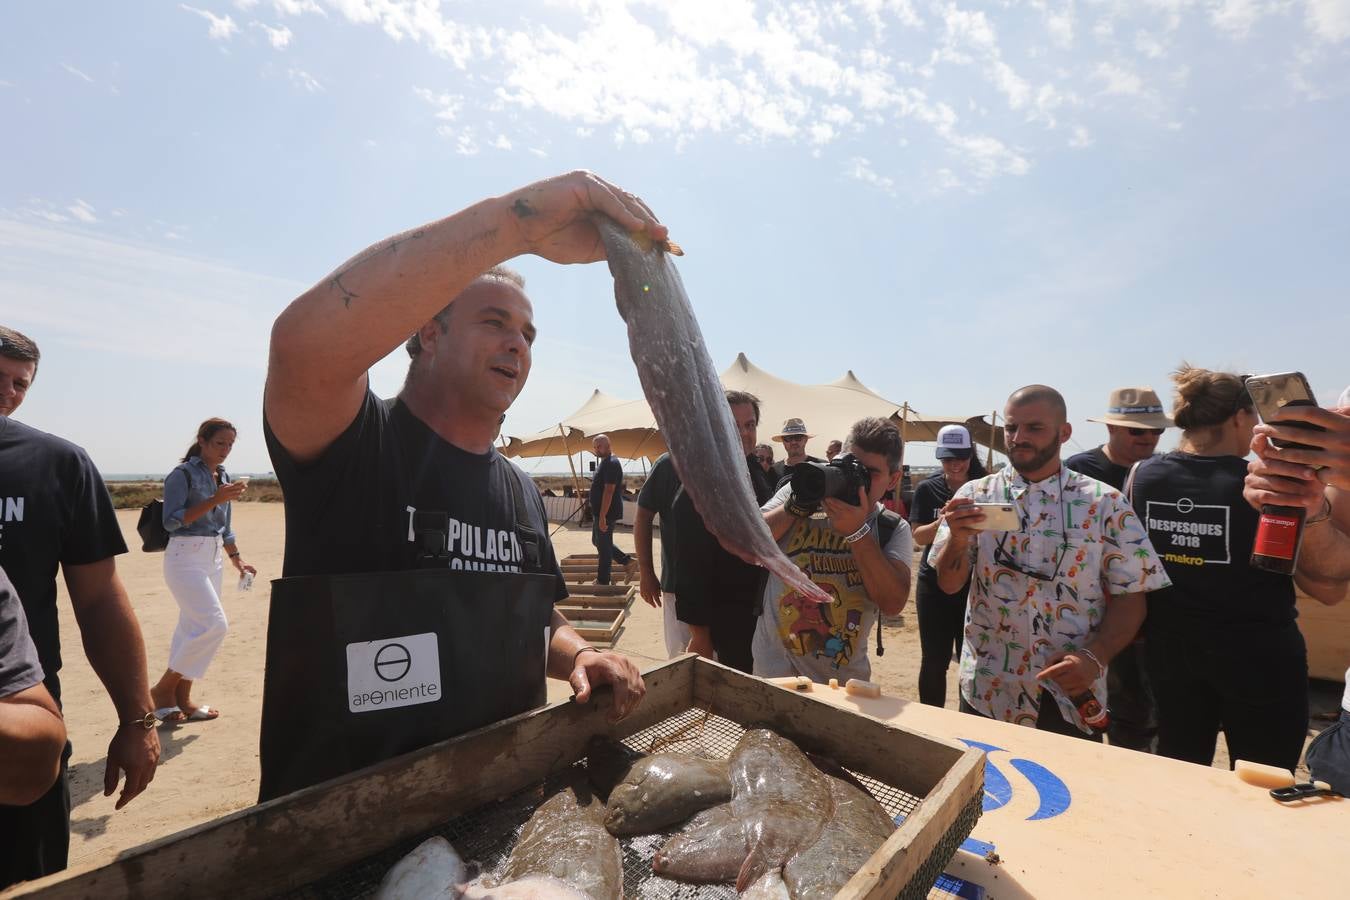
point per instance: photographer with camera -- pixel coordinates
(1055, 599)
(857, 552)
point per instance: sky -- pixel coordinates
(952, 199)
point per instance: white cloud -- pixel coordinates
(815, 73)
(859, 168)
(300, 7)
(502, 142)
(1236, 17)
(1148, 45)
(76, 72)
(82, 211)
(1329, 19)
(245, 5)
(1118, 80)
(447, 106)
(222, 28)
(302, 79)
(279, 38)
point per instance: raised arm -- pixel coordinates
(323, 343)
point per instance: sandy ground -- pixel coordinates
(211, 768)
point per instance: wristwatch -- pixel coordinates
(147, 721)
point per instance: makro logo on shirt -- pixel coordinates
(398, 671)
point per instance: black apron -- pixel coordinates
(363, 667)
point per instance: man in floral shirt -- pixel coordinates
(1051, 603)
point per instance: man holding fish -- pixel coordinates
(472, 329)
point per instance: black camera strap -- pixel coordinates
(887, 522)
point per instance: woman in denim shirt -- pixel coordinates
(197, 497)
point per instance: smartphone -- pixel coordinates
(998, 517)
(1272, 393)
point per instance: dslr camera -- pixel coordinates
(812, 482)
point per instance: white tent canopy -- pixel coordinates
(829, 410)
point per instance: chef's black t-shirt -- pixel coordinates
(1094, 463)
(1203, 529)
(54, 511)
(353, 509)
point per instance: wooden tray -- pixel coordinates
(295, 840)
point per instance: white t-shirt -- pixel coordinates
(797, 637)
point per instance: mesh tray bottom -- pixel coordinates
(486, 835)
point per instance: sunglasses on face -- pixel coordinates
(792, 440)
(1140, 432)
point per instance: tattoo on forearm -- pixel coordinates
(349, 295)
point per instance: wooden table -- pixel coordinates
(1070, 818)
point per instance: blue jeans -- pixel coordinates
(604, 546)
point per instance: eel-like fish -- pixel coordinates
(689, 401)
(663, 790)
(566, 840)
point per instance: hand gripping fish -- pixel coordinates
(689, 401)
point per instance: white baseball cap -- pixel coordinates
(953, 442)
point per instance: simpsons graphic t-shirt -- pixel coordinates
(821, 641)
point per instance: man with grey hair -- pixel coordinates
(362, 475)
(857, 552)
(1052, 602)
(607, 509)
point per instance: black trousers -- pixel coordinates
(942, 626)
(730, 617)
(1249, 682)
(606, 551)
(1134, 722)
(35, 839)
(1049, 718)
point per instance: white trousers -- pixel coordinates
(676, 632)
(192, 569)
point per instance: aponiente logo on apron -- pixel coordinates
(399, 671)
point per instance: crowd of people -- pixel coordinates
(382, 487)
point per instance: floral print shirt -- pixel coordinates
(1083, 537)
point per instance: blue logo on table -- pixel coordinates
(998, 790)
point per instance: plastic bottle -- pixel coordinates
(246, 581)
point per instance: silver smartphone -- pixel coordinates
(1272, 393)
(998, 517)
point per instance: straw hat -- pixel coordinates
(792, 428)
(1137, 407)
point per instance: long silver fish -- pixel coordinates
(689, 401)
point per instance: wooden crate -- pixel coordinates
(295, 840)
